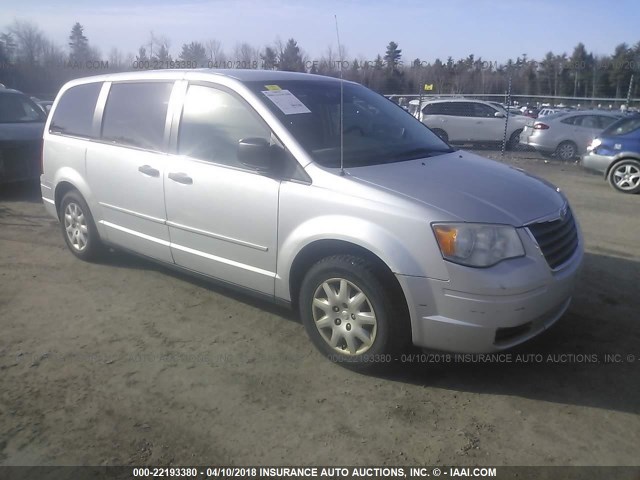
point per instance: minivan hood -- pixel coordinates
(467, 186)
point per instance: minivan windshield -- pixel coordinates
(375, 130)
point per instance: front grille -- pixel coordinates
(557, 239)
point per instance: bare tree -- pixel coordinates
(115, 59)
(215, 52)
(30, 41)
(246, 56)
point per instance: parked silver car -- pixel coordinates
(380, 235)
(566, 134)
(464, 120)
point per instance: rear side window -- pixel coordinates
(576, 120)
(136, 113)
(458, 109)
(74, 113)
(622, 127)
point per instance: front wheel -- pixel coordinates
(78, 228)
(514, 141)
(624, 176)
(349, 314)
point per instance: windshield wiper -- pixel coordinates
(423, 153)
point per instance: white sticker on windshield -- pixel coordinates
(286, 101)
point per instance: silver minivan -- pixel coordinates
(317, 194)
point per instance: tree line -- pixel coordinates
(31, 62)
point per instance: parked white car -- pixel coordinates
(464, 120)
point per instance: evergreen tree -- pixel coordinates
(291, 59)
(392, 56)
(194, 52)
(78, 45)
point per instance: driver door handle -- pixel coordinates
(181, 177)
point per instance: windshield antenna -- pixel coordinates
(341, 102)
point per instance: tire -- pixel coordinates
(369, 326)
(78, 228)
(441, 134)
(514, 141)
(624, 176)
(567, 150)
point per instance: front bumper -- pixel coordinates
(487, 310)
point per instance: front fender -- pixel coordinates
(386, 244)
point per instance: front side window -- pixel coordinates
(74, 112)
(374, 130)
(15, 108)
(213, 122)
(135, 114)
(484, 111)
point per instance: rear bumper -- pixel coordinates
(535, 144)
(489, 310)
(48, 197)
(595, 162)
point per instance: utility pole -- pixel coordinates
(630, 89)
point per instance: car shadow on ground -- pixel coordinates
(120, 259)
(590, 358)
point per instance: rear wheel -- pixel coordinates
(350, 315)
(566, 150)
(78, 228)
(624, 176)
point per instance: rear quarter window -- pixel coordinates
(16, 108)
(74, 113)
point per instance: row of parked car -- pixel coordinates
(562, 133)
(608, 142)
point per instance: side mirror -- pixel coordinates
(255, 153)
(499, 115)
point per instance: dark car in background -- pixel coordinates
(616, 154)
(21, 128)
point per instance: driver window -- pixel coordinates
(213, 121)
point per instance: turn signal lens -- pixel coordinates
(477, 244)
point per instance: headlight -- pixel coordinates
(477, 244)
(594, 144)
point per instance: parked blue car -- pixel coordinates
(616, 154)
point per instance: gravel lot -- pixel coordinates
(126, 362)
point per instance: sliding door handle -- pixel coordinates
(149, 170)
(181, 178)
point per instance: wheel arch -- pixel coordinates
(619, 158)
(319, 249)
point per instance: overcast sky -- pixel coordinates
(494, 30)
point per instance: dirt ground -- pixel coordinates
(126, 362)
